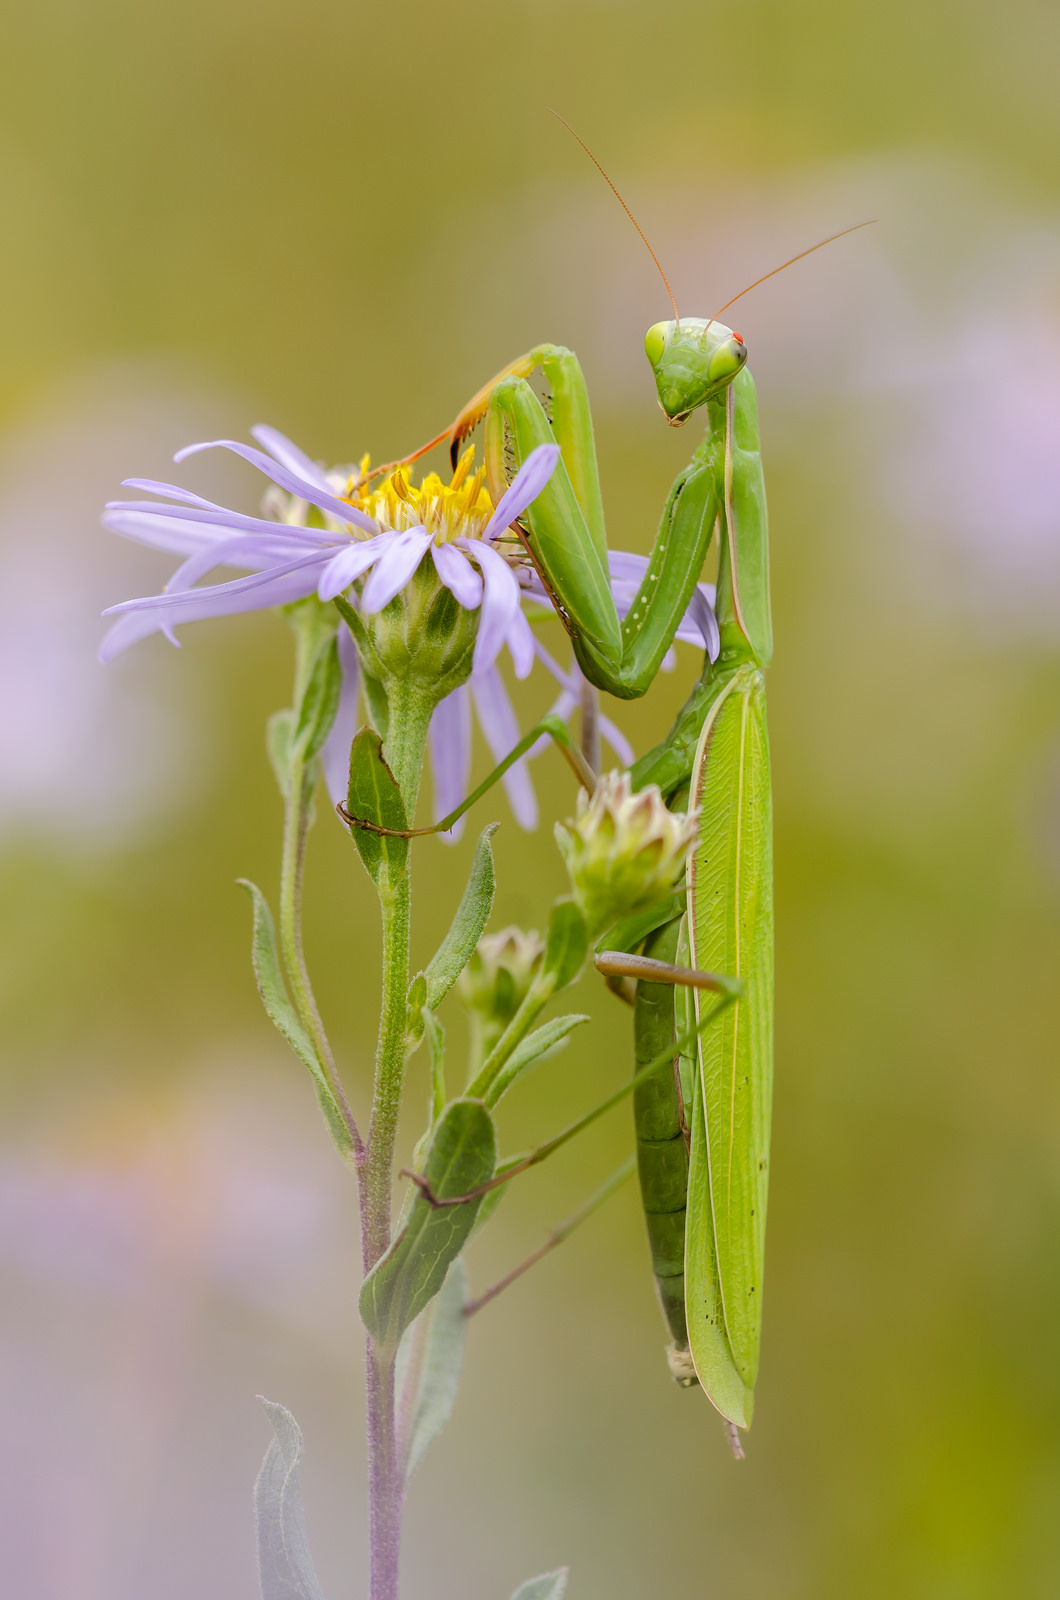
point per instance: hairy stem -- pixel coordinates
(405, 745)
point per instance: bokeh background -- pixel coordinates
(340, 218)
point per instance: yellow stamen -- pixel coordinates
(454, 510)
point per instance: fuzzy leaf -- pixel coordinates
(429, 1361)
(279, 731)
(319, 702)
(415, 1000)
(274, 998)
(567, 945)
(375, 796)
(549, 1586)
(436, 1051)
(285, 1566)
(461, 1157)
(472, 914)
(547, 1037)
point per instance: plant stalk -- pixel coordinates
(404, 750)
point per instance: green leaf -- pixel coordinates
(375, 797)
(461, 1157)
(279, 731)
(533, 1047)
(319, 702)
(285, 1566)
(429, 1361)
(472, 914)
(436, 1050)
(567, 945)
(282, 1014)
(550, 1586)
(415, 1000)
(377, 703)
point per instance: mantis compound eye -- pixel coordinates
(655, 341)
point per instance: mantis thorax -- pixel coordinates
(693, 360)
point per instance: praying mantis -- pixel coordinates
(703, 1082)
(702, 1150)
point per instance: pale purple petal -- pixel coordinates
(199, 604)
(287, 453)
(222, 518)
(699, 624)
(500, 602)
(217, 595)
(242, 550)
(349, 564)
(497, 720)
(177, 538)
(335, 751)
(669, 661)
(524, 488)
(286, 480)
(395, 567)
(459, 577)
(450, 747)
(172, 491)
(521, 644)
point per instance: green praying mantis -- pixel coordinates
(702, 1087)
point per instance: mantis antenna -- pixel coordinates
(622, 203)
(789, 263)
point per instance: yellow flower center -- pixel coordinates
(459, 509)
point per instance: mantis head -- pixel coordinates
(693, 360)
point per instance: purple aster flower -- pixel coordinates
(326, 532)
(378, 535)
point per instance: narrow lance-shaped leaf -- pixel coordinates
(465, 930)
(533, 1047)
(279, 732)
(319, 702)
(429, 1362)
(285, 1566)
(461, 1157)
(436, 1051)
(282, 1014)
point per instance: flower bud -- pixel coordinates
(624, 851)
(423, 637)
(496, 981)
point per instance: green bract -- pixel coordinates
(624, 851)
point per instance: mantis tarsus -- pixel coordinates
(703, 1122)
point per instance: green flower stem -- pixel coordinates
(295, 832)
(409, 718)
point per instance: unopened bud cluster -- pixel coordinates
(496, 981)
(624, 851)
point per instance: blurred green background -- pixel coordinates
(339, 219)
